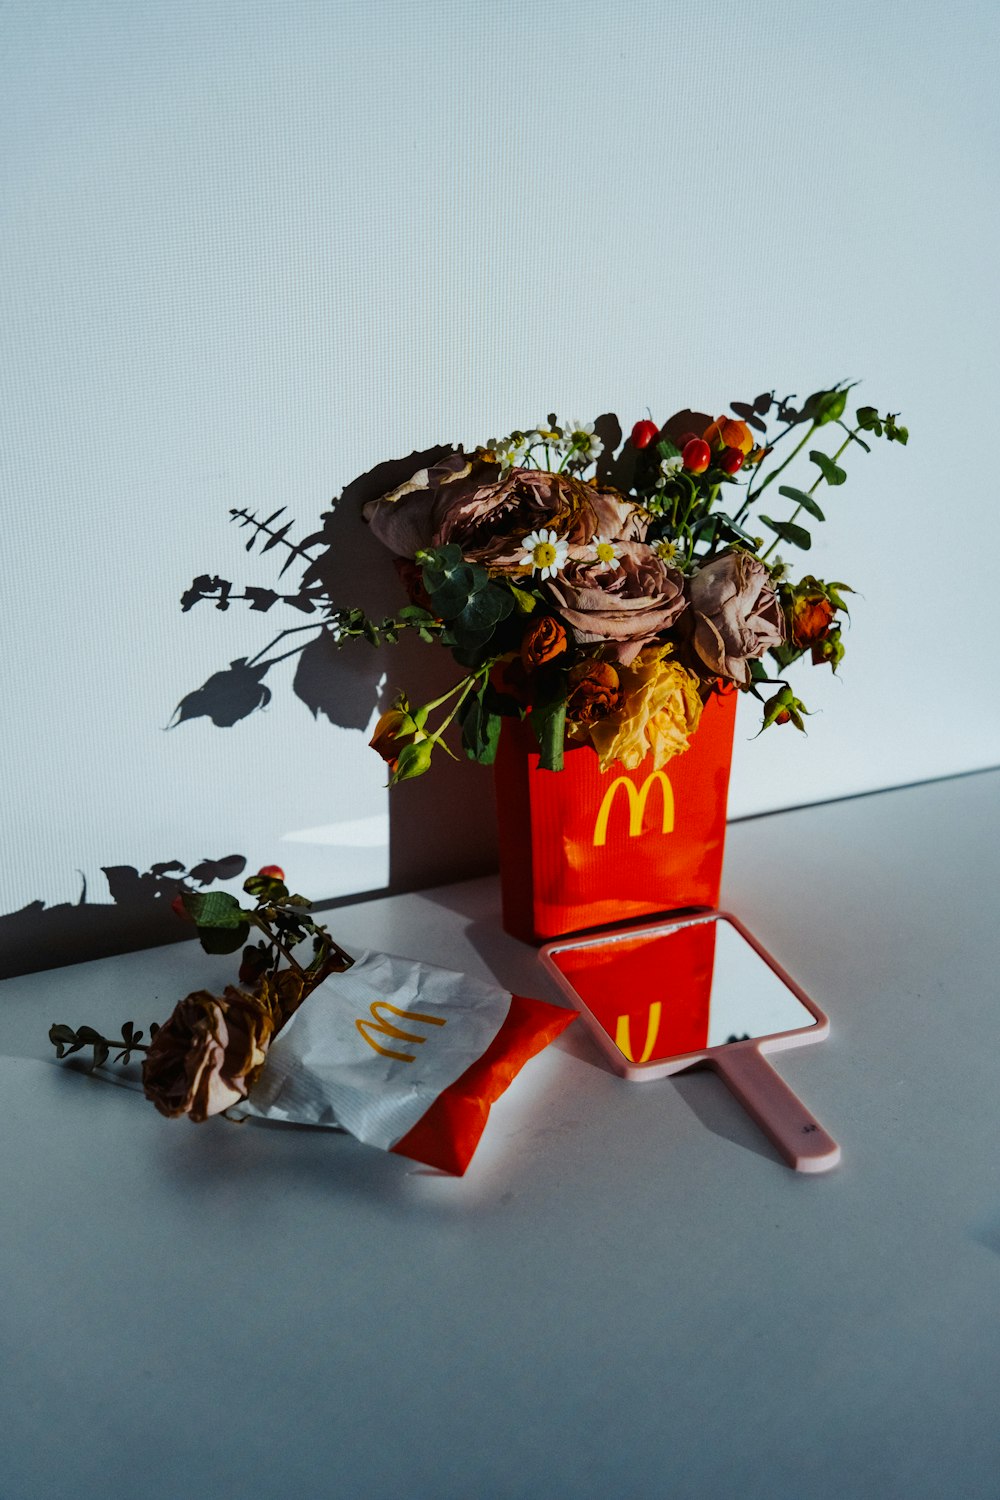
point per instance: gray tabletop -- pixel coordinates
(628, 1294)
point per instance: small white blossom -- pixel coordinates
(545, 553)
(510, 451)
(671, 466)
(666, 551)
(606, 553)
(580, 436)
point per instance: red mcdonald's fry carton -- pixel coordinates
(582, 847)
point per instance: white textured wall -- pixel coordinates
(253, 246)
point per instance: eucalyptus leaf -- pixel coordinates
(801, 498)
(831, 472)
(798, 536)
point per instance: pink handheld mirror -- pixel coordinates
(693, 989)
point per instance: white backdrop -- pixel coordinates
(252, 247)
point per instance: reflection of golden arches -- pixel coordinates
(636, 798)
(386, 1028)
(623, 1038)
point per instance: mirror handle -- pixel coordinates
(783, 1117)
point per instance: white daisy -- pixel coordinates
(544, 552)
(509, 451)
(606, 552)
(581, 438)
(666, 551)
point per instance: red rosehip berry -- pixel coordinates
(643, 433)
(696, 455)
(177, 905)
(273, 872)
(730, 460)
(783, 717)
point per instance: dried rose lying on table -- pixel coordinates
(404, 1056)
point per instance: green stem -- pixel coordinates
(816, 482)
(753, 494)
(259, 922)
(469, 682)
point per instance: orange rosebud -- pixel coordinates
(543, 640)
(384, 741)
(730, 434)
(594, 691)
(812, 616)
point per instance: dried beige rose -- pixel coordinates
(735, 613)
(623, 607)
(208, 1054)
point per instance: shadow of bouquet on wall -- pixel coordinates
(333, 576)
(140, 916)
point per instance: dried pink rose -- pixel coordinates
(207, 1055)
(735, 613)
(624, 607)
(465, 502)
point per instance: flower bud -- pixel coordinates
(413, 760)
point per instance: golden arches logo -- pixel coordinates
(636, 798)
(386, 1028)
(623, 1035)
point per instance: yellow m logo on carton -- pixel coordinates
(623, 1036)
(636, 798)
(386, 1028)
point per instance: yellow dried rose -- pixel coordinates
(659, 711)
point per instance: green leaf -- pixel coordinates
(868, 420)
(261, 888)
(213, 908)
(415, 613)
(728, 527)
(450, 581)
(548, 720)
(524, 601)
(801, 498)
(829, 407)
(223, 939)
(798, 536)
(832, 473)
(666, 449)
(480, 729)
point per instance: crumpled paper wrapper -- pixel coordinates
(404, 1056)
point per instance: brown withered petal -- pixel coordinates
(594, 691)
(207, 1055)
(626, 606)
(468, 504)
(737, 616)
(543, 640)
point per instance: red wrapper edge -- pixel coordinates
(448, 1134)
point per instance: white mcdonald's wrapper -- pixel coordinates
(403, 1056)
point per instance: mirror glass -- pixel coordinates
(665, 992)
